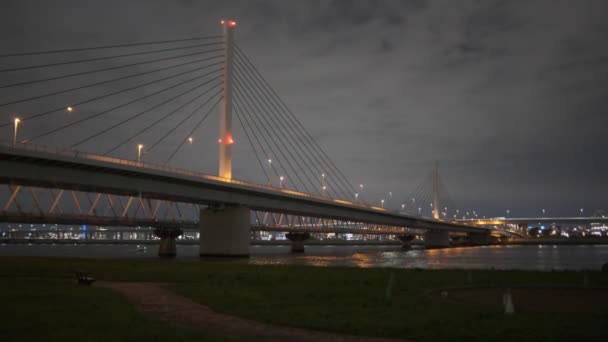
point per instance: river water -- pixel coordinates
(545, 258)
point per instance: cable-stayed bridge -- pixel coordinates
(96, 132)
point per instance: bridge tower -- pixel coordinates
(226, 139)
(436, 192)
(436, 238)
(225, 230)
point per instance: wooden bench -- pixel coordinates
(83, 278)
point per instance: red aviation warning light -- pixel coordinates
(230, 23)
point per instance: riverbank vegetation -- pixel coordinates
(44, 301)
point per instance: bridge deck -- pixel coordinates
(33, 165)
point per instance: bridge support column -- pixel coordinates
(437, 239)
(167, 248)
(479, 239)
(523, 229)
(225, 232)
(406, 240)
(297, 241)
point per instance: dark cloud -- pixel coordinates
(508, 96)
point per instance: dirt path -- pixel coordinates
(159, 303)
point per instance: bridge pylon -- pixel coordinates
(225, 138)
(436, 192)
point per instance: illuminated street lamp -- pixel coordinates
(17, 121)
(140, 147)
(69, 109)
(402, 206)
(508, 212)
(581, 211)
(281, 179)
(190, 140)
(356, 197)
(382, 203)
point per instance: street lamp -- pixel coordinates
(419, 211)
(581, 211)
(190, 140)
(544, 212)
(139, 148)
(281, 179)
(402, 206)
(508, 212)
(17, 121)
(382, 202)
(356, 197)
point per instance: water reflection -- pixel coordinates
(497, 257)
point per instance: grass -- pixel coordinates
(59, 310)
(345, 300)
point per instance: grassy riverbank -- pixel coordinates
(44, 302)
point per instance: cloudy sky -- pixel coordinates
(509, 97)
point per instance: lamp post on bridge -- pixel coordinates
(140, 147)
(17, 121)
(269, 171)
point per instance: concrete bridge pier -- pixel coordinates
(406, 240)
(297, 241)
(225, 232)
(479, 239)
(437, 239)
(167, 248)
(523, 228)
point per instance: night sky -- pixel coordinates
(510, 97)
